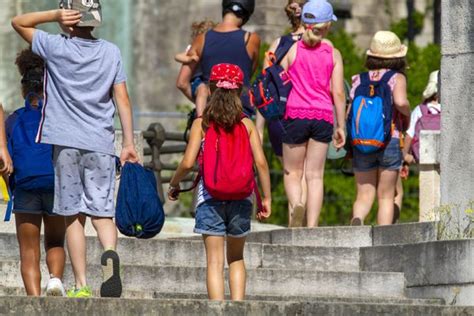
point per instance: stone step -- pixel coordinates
(190, 253)
(433, 269)
(347, 236)
(17, 291)
(260, 281)
(125, 307)
(174, 227)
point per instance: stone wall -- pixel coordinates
(457, 96)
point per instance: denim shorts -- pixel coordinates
(35, 202)
(390, 158)
(223, 218)
(300, 131)
(195, 83)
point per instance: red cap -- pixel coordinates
(228, 76)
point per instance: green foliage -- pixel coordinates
(401, 27)
(451, 222)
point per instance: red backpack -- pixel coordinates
(428, 121)
(227, 163)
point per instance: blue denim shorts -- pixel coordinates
(195, 83)
(35, 202)
(390, 158)
(223, 218)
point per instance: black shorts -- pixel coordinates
(300, 131)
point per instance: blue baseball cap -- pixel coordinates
(317, 11)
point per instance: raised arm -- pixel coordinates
(126, 119)
(183, 82)
(25, 24)
(339, 98)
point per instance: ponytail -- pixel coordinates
(314, 36)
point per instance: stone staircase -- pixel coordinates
(323, 271)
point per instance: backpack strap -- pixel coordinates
(364, 78)
(424, 109)
(9, 210)
(387, 76)
(286, 43)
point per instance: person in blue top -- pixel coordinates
(226, 43)
(85, 82)
(33, 188)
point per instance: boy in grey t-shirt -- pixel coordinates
(83, 75)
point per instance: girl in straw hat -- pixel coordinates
(377, 173)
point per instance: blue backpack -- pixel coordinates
(270, 90)
(139, 212)
(32, 162)
(369, 123)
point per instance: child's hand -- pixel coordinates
(6, 164)
(404, 171)
(339, 138)
(267, 210)
(173, 193)
(68, 17)
(129, 154)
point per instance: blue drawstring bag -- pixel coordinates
(139, 212)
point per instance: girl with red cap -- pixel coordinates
(216, 218)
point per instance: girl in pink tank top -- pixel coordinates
(316, 71)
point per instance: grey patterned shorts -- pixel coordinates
(84, 182)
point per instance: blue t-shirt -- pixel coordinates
(79, 108)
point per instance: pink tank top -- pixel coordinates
(311, 74)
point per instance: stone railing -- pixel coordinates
(430, 193)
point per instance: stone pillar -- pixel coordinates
(457, 77)
(429, 175)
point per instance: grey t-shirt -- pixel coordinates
(79, 108)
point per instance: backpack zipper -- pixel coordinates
(217, 160)
(359, 112)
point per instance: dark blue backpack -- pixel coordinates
(270, 90)
(139, 212)
(369, 123)
(32, 162)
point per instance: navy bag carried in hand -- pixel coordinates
(139, 212)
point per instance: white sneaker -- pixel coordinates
(55, 288)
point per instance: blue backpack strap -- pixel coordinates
(286, 42)
(364, 78)
(387, 76)
(8, 212)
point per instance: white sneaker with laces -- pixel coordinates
(55, 287)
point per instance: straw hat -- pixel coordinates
(432, 86)
(386, 44)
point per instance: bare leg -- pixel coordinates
(28, 229)
(366, 183)
(54, 231)
(386, 195)
(398, 201)
(215, 266)
(106, 231)
(76, 245)
(293, 162)
(237, 274)
(314, 174)
(202, 94)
